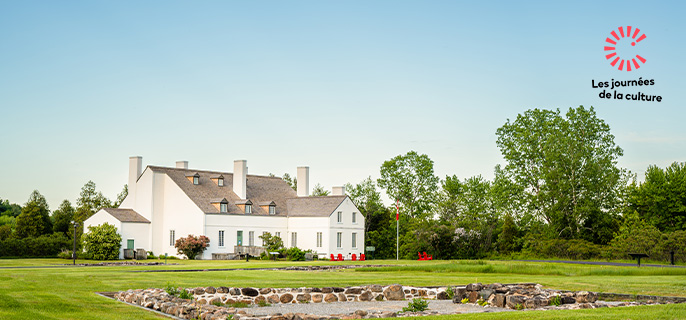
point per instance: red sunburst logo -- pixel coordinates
(613, 53)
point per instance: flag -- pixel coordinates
(397, 210)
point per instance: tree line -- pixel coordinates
(560, 194)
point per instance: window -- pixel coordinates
(239, 237)
(251, 238)
(340, 217)
(339, 239)
(223, 207)
(196, 179)
(294, 239)
(220, 181)
(263, 234)
(278, 234)
(354, 240)
(221, 238)
(248, 208)
(129, 244)
(354, 217)
(319, 239)
(272, 209)
(172, 237)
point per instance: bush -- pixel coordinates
(295, 254)
(575, 249)
(192, 246)
(416, 305)
(43, 246)
(102, 242)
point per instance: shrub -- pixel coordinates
(481, 302)
(295, 254)
(192, 246)
(449, 291)
(185, 294)
(465, 300)
(416, 305)
(556, 300)
(171, 289)
(103, 242)
(43, 246)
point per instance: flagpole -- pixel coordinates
(397, 228)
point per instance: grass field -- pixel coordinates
(29, 290)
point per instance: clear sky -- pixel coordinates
(339, 86)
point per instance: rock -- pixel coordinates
(317, 297)
(473, 296)
(215, 300)
(514, 300)
(229, 301)
(273, 298)
(498, 300)
(286, 298)
(198, 291)
(366, 296)
(342, 297)
(360, 313)
(387, 314)
(235, 291)
(210, 290)
(585, 306)
(456, 299)
(265, 290)
(250, 292)
(222, 290)
(303, 297)
(355, 290)
(202, 301)
(502, 289)
(586, 297)
(394, 293)
(379, 297)
(442, 296)
(474, 287)
(338, 289)
(376, 288)
(485, 293)
(316, 289)
(460, 292)
(277, 317)
(535, 303)
(260, 299)
(421, 293)
(327, 290)
(330, 297)
(568, 300)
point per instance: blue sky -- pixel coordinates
(340, 86)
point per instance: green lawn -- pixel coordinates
(69, 292)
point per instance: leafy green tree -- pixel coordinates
(8, 221)
(102, 242)
(273, 243)
(367, 199)
(508, 235)
(63, 218)
(8, 209)
(410, 179)
(121, 196)
(5, 232)
(661, 199)
(33, 221)
(567, 167)
(635, 235)
(318, 191)
(192, 246)
(293, 182)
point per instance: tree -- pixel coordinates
(102, 242)
(8, 209)
(661, 199)
(507, 237)
(5, 232)
(39, 200)
(293, 182)
(34, 219)
(121, 196)
(410, 179)
(192, 246)
(89, 202)
(367, 199)
(63, 218)
(273, 243)
(566, 167)
(319, 191)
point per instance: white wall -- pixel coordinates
(231, 224)
(346, 227)
(140, 232)
(173, 210)
(307, 228)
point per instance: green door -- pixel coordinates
(239, 238)
(129, 244)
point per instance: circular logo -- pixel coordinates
(624, 36)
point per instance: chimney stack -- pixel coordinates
(135, 170)
(182, 164)
(338, 191)
(240, 172)
(303, 177)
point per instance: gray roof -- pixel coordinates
(259, 189)
(126, 215)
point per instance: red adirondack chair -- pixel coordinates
(340, 257)
(420, 256)
(427, 257)
(362, 256)
(354, 257)
(332, 257)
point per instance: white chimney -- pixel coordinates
(240, 172)
(303, 177)
(182, 164)
(135, 170)
(338, 191)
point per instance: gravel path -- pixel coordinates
(441, 306)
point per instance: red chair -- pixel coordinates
(332, 257)
(354, 257)
(361, 256)
(420, 256)
(340, 257)
(427, 257)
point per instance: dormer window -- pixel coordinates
(196, 179)
(220, 181)
(224, 206)
(245, 205)
(248, 208)
(272, 210)
(268, 206)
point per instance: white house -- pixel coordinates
(232, 209)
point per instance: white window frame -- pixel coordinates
(339, 240)
(221, 239)
(220, 182)
(340, 217)
(294, 239)
(196, 180)
(272, 210)
(278, 234)
(354, 240)
(263, 233)
(172, 238)
(319, 239)
(354, 217)
(248, 209)
(251, 238)
(223, 207)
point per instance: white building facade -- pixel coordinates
(231, 209)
